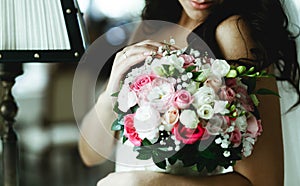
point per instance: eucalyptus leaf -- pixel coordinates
(144, 156)
(264, 91)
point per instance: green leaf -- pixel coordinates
(116, 109)
(161, 164)
(146, 142)
(115, 94)
(264, 91)
(172, 160)
(116, 126)
(159, 160)
(200, 166)
(207, 154)
(124, 139)
(211, 166)
(190, 68)
(134, 108)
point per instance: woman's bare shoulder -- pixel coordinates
(234, 38)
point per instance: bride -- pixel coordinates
(243, 31)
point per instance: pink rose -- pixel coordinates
(244, 98)
(188, 59)
(130, 131)
(182, 99)
(235, 137)
(254, 127)
(227, 94)
(214, 82)
(159, 94)
(187, 135)
(141, 81)
(231, 82)
(217, 124)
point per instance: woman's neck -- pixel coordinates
(188, 22)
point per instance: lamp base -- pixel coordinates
(8, 111)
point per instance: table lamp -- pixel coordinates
(33, 31)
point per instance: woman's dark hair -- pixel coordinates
(269, 27)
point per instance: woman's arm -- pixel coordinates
(96, 142)
(265, 165)
(96, 138)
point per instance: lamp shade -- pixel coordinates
(41, 31)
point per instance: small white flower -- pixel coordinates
(205, 111)
(226, 154)
(184, 84)
(170, 148)
(179, 87)
(160, 49)
(177, 148)
(161, 128)
(198, 62)
(189, 75)
(220, 67)
(224, 145)
(178, 80)
(189, 119)
(226, 136)
(220, 107)
(218, 140)
(172, 41)
(230, 129)
(195, 53)
(184, 77)
(241, 123)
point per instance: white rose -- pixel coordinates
(204, 95)
(220, 67)
(189, 119)
(205, 111)
(146, 122)
(126, 98)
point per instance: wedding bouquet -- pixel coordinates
(182, 105)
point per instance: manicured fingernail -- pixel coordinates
(148, 53)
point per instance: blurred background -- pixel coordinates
(48, 133)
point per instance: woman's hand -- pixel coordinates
(150, 178)
(132, 178)
(127, 58)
